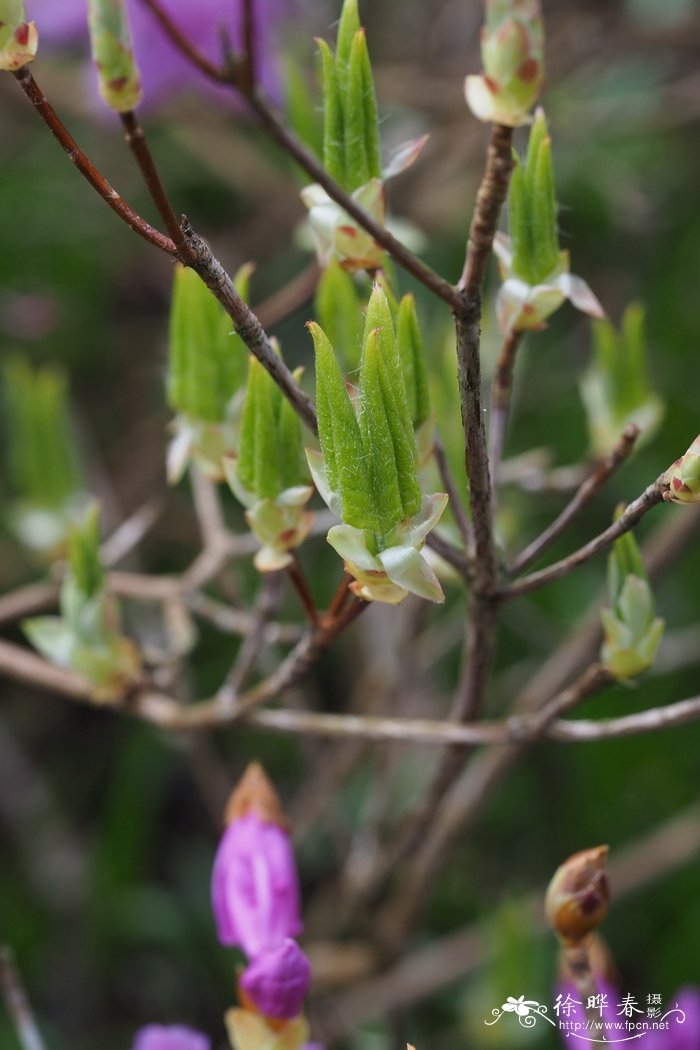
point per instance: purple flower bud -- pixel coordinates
(255, 892)
(172, 1037)
(277, 980)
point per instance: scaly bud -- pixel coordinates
(683, 477)
(255, 893)
(112, 52)
(577, 897)
(512, 51)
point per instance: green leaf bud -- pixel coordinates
(112, 52)
(632, 632)
(18, 38)
(512, 52)
(351, 152)
(683, 476)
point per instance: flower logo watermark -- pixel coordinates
(598, 1021)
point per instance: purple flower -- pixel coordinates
(172, 1037)
(255, 892)
(164, 71)
(277, 980)
(682, 1033)
(684, 1036)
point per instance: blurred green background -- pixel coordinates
(108, 827)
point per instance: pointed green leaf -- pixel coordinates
(412, 354)
(519, 221)
(84, 559)
(369, 105)
(338, 311)
(333, 123)
(258, 460)
(341, 441)
(543, 208)
(302, 109)
(290, 443)
(379, 326)
(378, 436)
(357, 170)
(206, 361)
(348, 26)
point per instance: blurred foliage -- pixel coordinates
(109, 827)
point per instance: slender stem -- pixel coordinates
(267, 606)
(340, 597)
(86, 168)
(578, 966)
(476, 459)
(501, 391)
(634, 512)
(489, 201)
(301, 586)
(583, 496)
(18, 1004)
(451, 554)
(22, 665)
(136, 141)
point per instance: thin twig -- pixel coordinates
(86, 168)
(26, 601)
(23, 665)
(18, 1003)
(136, 141)
(449, 553)
(301, 586)
(634, 512)
(590, 487)
(489, 201)
(501, 391)
(267, 606)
